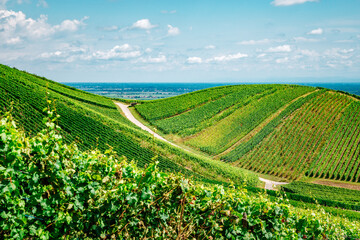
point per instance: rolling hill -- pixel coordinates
(235, 124)
(283, 130)
(51, 190)
(94, 121)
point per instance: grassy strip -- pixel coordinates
(163, 108)
(246, 147)
(296, 200)
(193, 118)
(325, 195)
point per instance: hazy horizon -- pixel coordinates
(234, 81)
(148, 91)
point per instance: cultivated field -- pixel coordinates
(283, 130)
(94, 121)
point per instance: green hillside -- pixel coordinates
(283, 130)
(51, 190)
(94, 121)
(235, 124)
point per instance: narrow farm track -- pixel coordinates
(129, 116)
(270, 185)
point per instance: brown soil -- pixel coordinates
(337, 184)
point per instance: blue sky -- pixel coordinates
(183, 40)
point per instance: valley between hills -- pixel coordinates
(270, 185)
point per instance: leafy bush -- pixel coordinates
(52, 190)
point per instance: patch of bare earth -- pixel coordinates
(337, 184)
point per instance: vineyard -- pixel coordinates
(60, 192)
(283, 130)
(287, 131)
(289, 149)
(228, 131)
(328, 195)
(94, 122)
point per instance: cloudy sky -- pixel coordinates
(183, 40)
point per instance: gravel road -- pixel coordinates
(268, 183)
(129, 116)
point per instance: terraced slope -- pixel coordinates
(95, 122)
(283, 130)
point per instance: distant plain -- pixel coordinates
(149, 91)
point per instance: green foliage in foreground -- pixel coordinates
(52, 190)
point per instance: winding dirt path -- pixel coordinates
(131, 117)
(268, 183)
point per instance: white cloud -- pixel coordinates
(168, 12)
(159, 59)
(42, 3)
(335, 51)
(261, 55)
(346, 51)
(338, 53)
(329, 64)
(290, 2)
(302, 39)
(3, 4)
(14, 40)
(282, 60)
(143, 24)
(15, 25)
(210, 47)
(255, 42)
(51, 54)
(110, 28)
(309, 53)
(66, 53)
(317, 31)
(339, 63)
(345, 41)
(124, 51)
(226, 58)
(283, 48)
(192, 60)
(123, 48)
(173, 31)
(70, 25)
